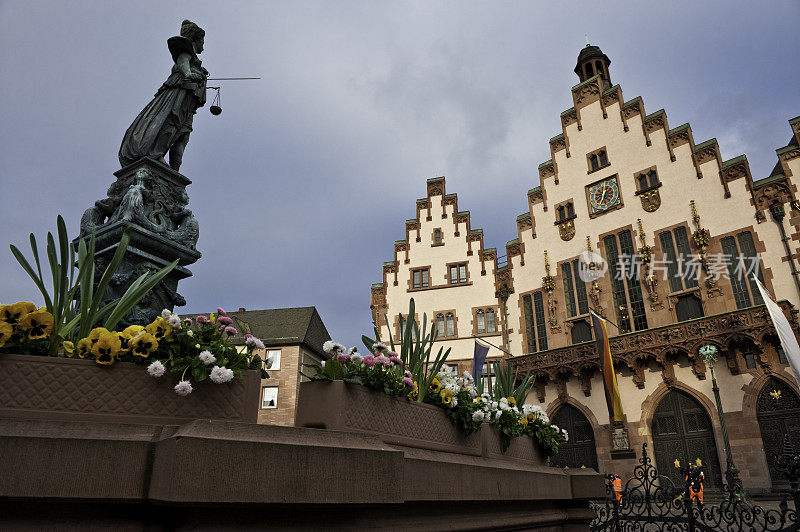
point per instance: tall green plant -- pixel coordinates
(505, 381)
(415, 349)
(60, 301)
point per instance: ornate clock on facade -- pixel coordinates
(603, 196)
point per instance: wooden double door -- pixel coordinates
(580, 449)
(682, 431)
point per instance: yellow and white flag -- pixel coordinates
(784, 330)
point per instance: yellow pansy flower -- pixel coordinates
(160, 329)
(413, 394)
(523, 421)
(83, 348)
(511, 401)
(106, 348)
(126, 336)
(69, 348)
(38, 324)
(143, 345)
(6, 330)
(436, 386)
(446, 395)
(96, 333)
(11, 314)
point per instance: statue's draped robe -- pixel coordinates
(169, 115)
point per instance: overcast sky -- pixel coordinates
(303, 183)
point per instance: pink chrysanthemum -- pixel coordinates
(221, 312)
(408, 382)
(396, 360)
(369, 361)
(341, 358)
(224, 320)
(230, 330)
(383, 360)
(203, 319)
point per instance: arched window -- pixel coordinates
(437, 236)
(598, 67)
(581, 332)
(589, 71)
(688, 307)
(603, 158)
(451, 324)
(481, 320)
(440, 330)
(490, 324)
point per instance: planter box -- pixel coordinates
(352, 408)
(38, 387)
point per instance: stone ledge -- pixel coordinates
(182, 474)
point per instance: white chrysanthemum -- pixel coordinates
(355, 358)
(352, 350)
(250, 341)
(220, 374)
(175, 321)
(454, 403)
(259, 344)
(183, 388)
(166, 313)
(468, 376)
(498, 414)
(380, 346)
(156, 369)
(478, 416)
(207, 358)
(328, 346)
(555, 427)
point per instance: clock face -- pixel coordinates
(603, 195)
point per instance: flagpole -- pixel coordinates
(492, 345)
(605, 319)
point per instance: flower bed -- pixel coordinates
(400, 422)
(81, 390)
(437, 386)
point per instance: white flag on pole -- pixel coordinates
(784, 330)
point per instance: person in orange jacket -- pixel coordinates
(696, 484)
(616, 485)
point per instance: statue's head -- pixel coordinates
(194, 33)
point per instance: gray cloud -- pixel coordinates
(303, 183)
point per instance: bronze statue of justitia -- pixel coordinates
(165, 124)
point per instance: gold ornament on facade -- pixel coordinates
(796, 205)
(760, 217)
(650, 280)
(651, 201)
(594, 289)
(702, 239)
(566, 230)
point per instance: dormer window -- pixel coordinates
(647, 180)
(598, 160)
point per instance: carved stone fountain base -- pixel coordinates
(150, 198)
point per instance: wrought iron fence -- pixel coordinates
(651, 502)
